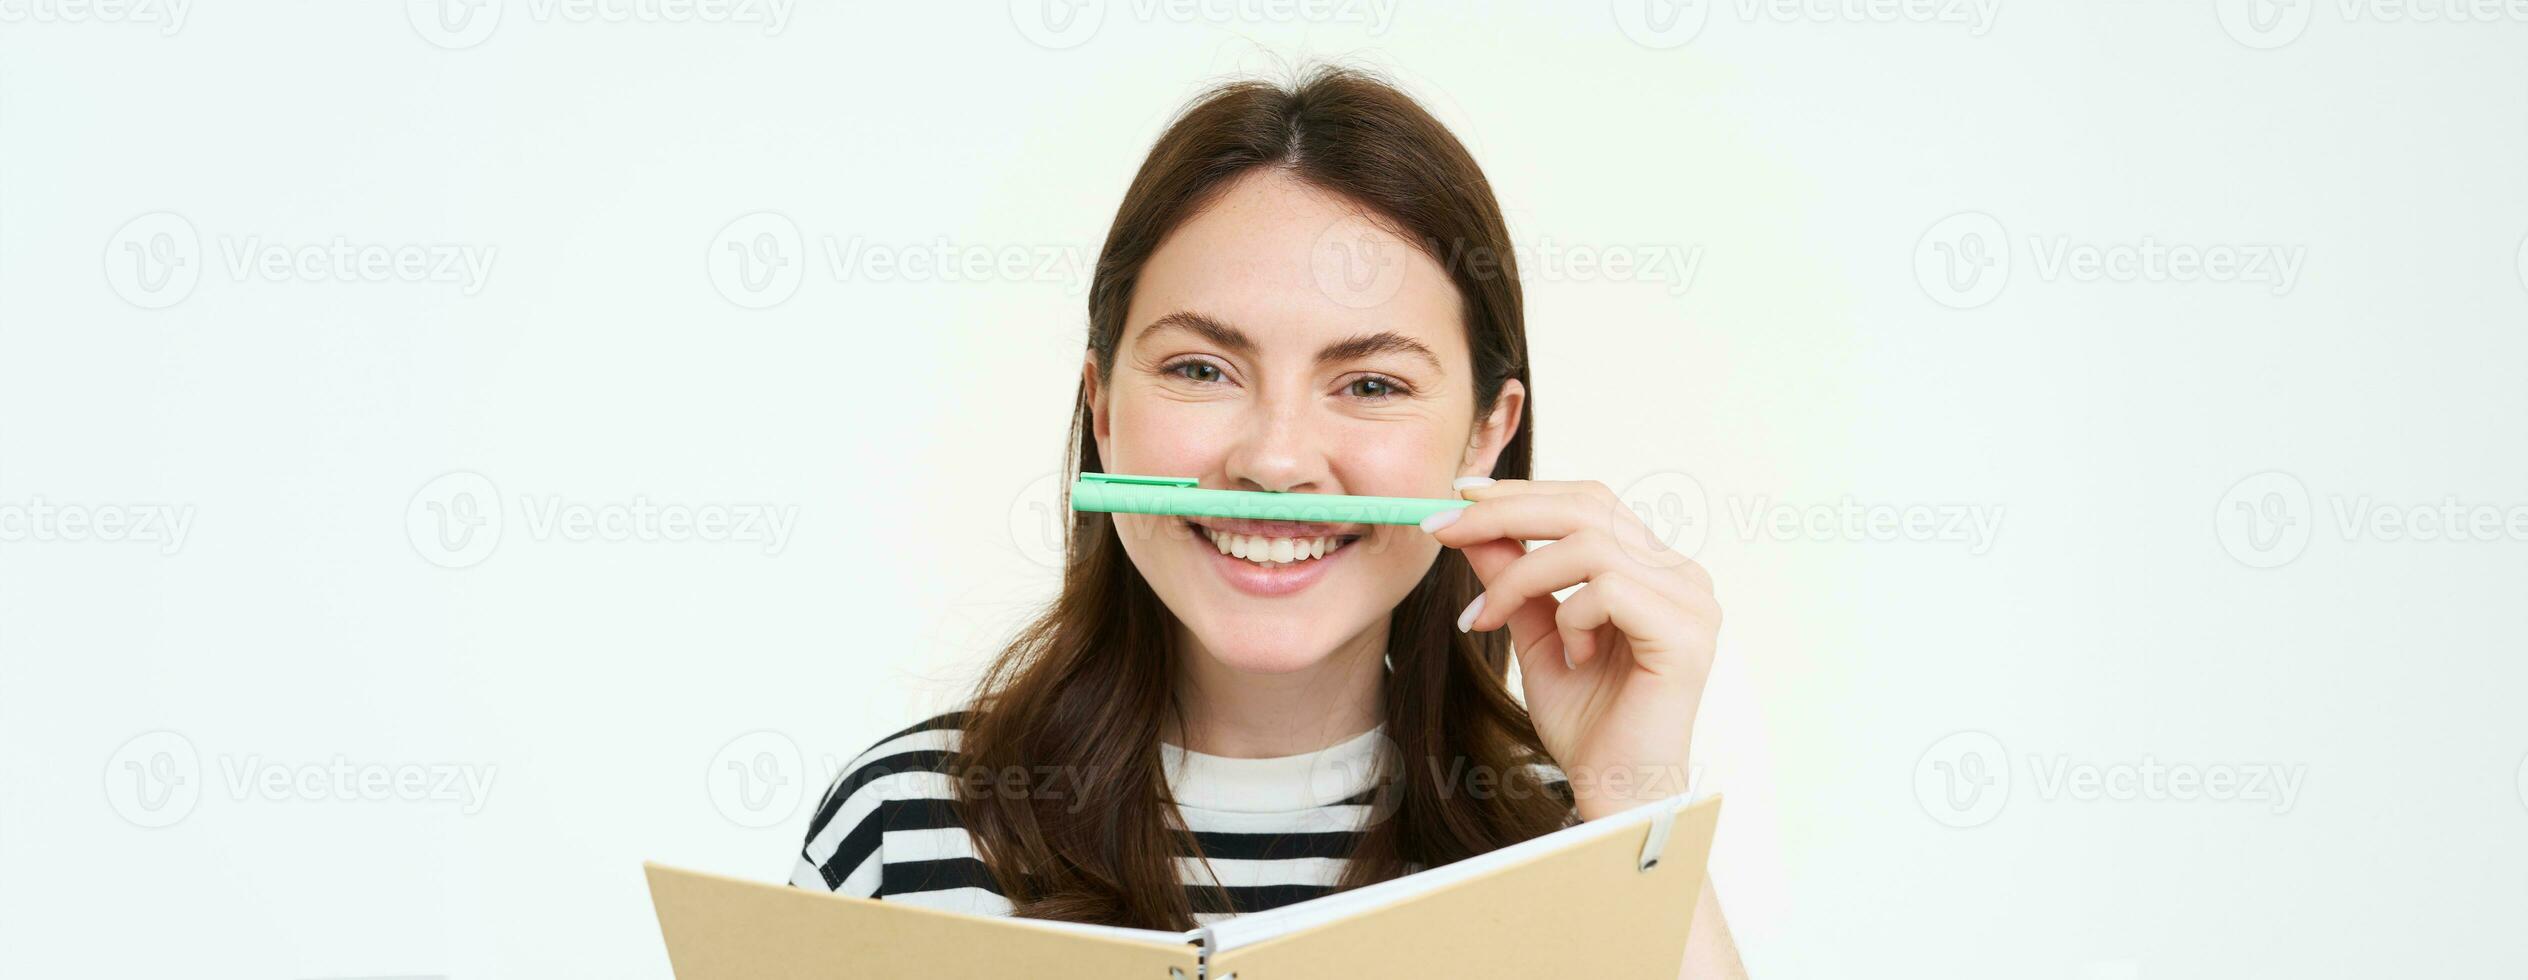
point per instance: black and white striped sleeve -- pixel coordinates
(843, 852)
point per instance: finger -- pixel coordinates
(1527, 517)
(1506, 488)
(1579, 646)
(1631, 607)
(1541, 572)
(1533, 621)
(1556, 517)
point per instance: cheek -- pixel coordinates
(1153, 437)
(1415, 459)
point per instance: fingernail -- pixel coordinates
(1471, 482)
(1466, 620)
(1566, 657)
(1443, 518)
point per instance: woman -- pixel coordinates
(1306, 290)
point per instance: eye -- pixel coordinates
(1375, 388)
(1195, 370)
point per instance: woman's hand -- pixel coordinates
(1614, 674)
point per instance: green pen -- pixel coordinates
(1118, 493)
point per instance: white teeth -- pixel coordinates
(1265, 551)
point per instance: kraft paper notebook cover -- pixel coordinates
(1608, 898)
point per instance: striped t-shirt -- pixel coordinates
(1271, 831)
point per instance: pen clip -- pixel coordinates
(1140, 481)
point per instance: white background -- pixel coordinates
(2147, 605)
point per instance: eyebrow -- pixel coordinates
(1347, 349)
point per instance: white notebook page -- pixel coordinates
(1255, 927)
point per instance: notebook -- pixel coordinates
(1610, 897)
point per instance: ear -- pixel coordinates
(1095, 396)
(1483, 447)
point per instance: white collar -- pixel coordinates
(1278, 784)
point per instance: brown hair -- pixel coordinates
(1083, 690)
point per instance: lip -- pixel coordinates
(1265, 581)
(1280, 529)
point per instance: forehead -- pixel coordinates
(1293, 266)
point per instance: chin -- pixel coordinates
(1266, 642)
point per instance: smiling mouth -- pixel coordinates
(1274, 544)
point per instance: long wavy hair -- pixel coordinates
(1084, 689)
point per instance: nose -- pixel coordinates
(1278, 449)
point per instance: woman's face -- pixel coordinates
(1280, 341)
